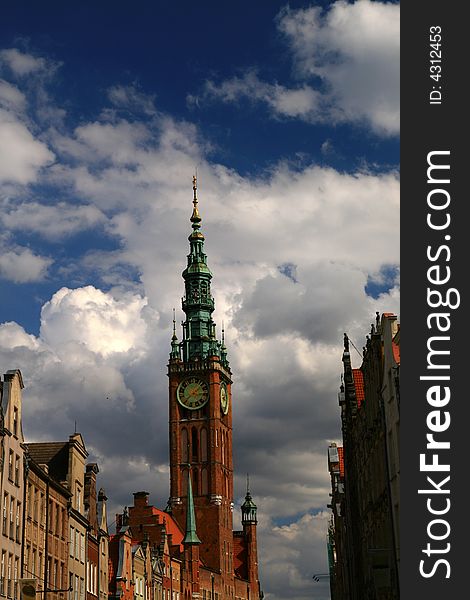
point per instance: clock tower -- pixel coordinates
(201, 415)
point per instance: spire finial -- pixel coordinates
(247, 483)
(174, 326)
(223, 334)
(195, 217)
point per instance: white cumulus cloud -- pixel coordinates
(346, 66)
(52, 221)
(354, 48)
(21, 155)
(22, 63)
(88, 316)
(11, 98)
(21, 265)
(283, 101)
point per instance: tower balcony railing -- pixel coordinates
(202, 302)
(197, 366)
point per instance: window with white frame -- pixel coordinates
(5, 514)
(10, 559)
(2, 572)
(10, 465)
(12, 517)
(72, 541)
(17, 524)
(33, 562)
(82, 548)
(78, 498)
(15, 421)
(16, 573)
(17, 469)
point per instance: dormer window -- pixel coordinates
(78, 499)
(15, 421)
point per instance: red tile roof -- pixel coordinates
(239, 556)
(396, 352)
(171, 526)
(359, 386)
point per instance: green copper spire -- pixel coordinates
(191, 535)
(199, 339)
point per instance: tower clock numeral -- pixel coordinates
(192, 393)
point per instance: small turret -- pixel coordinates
(249, 508)
(175, 347)
(223, 349)
(249, 522)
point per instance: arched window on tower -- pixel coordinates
(222, 443)
(184, 481)
(194, 444)
(204, 482)
(203, 444)
(195, 482)
(184, 445)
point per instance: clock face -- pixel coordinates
(192, 393)
(224, 398)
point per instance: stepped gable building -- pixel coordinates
(11, 482)
(365, 498)
(46, 535)
(66, 538)
(201, 555)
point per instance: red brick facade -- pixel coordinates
(203, 438)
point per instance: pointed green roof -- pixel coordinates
(191, 535)
(199, 334)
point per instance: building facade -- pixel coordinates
(97, 553)
(11, 483)
(366, 503)
(45, 542)
(391, 404)
(337, 539)
(66, 539)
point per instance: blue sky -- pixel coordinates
(290, 115)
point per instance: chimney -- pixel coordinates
(141, 499)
